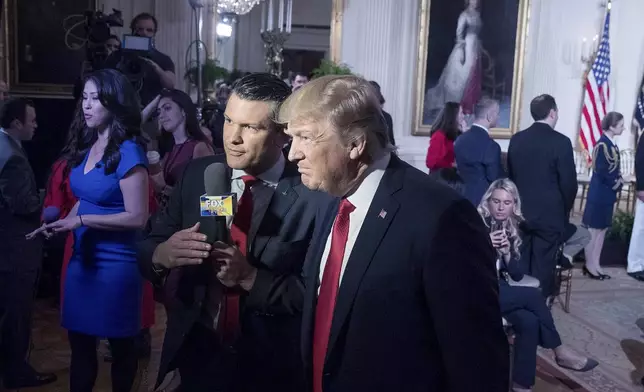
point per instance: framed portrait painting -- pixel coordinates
(43, 45)
(469, 49)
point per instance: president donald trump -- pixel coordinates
(401, 281)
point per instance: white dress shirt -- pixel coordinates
(361, 200)
(270, 178)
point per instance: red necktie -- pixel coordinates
(229, 315)
(328, 291)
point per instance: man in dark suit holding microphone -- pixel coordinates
(235, 315)
(401, 285)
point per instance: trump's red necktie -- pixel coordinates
(229, 316)
(328, 291)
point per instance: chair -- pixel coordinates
(492, 82)
(563, 276)
(582, 165)
(509, 333)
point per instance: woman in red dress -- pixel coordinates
(448, 125)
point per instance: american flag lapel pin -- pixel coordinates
(382, 214)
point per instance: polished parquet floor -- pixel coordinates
(51, 353)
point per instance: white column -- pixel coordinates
(379, 42)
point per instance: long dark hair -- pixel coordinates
(447, 122)
(193, 130)
(78, 123)
(120, 99)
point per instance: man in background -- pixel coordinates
(541, 163)
(478, 156)
(299, 80)
(19, 261)
(635, 266)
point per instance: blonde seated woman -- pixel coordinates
(522, 306)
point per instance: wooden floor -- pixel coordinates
(51, 354)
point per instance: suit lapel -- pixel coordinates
(380, 215)
(277, 202)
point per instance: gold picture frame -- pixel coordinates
(421, 128)
(11, 54)
(335, 47)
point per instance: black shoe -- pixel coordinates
(639, 275)
(593, 276)
(34, 380)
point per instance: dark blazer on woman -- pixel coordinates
(604, 186)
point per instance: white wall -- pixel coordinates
(250, 49)
(380, 42)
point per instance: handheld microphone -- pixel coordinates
(216, 204)
(50, 214)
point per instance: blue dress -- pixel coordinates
(601, 193)
(103, 287)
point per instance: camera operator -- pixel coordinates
(112, 44)
(158, 71)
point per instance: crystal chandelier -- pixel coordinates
(239, 7)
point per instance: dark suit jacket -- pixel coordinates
(281, 230)
(390, 127)
(416, 310)
(478, 159)
(541, 163)
(19, 209)
(639, 165)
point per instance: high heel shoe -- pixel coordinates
(591, 275)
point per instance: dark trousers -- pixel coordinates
(525, 308)
(17, 289)
(204, 364)
(539, 259)
(84, 364)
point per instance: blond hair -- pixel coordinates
(514, 220)
(346, 104)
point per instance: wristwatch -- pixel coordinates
(160, 270)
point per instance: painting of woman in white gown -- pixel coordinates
(471, 52)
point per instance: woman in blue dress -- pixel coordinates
(103, 288)
(605, 184)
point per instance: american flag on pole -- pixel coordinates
(597, 92)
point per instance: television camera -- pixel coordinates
(97, 28)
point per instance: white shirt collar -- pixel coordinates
(480, 126)
(363, 196)
(271, 176)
